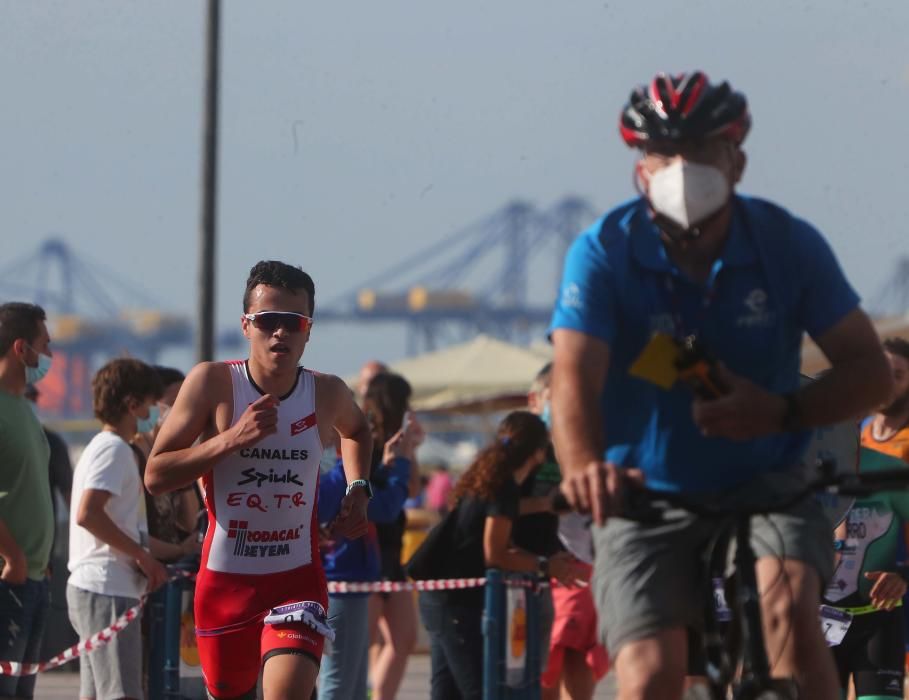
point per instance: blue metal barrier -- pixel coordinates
(496, 631)
(165, 612)
(174, 605)
(155, 612)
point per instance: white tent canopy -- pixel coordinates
(482, 370)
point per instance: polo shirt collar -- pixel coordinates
(648, 250)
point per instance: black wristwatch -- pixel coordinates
(361, 483)
(543, 567)
(792, 417)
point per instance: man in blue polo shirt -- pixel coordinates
(690, 259)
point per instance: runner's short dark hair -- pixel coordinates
(278, 274)
(117, 382)
(897, 346)
(19, 320)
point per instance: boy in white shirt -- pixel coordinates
(111, 568)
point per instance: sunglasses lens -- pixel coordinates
(266, 322)
(292, 323)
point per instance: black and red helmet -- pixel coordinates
(684, 107)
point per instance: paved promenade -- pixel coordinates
(61, 685)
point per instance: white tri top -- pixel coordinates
(261, 500)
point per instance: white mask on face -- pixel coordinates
(687, 193)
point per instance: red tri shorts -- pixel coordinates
(574, 627)
(232, 639)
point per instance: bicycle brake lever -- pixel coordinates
(638, 505)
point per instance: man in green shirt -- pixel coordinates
(26, 511)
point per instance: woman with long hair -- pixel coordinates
(392, 616)
(486, 504)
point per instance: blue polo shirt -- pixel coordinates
(776, 279)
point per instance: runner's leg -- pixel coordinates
(289, 677)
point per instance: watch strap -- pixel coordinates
(361, 483)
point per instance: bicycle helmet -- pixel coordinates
(684, 107)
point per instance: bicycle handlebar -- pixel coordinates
(647, 505)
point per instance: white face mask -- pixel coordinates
(687, 193)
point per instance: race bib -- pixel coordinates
(835, 623)
(307, 612)
(720, 606)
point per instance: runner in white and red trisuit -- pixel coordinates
(262, 424)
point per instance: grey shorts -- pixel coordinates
(652, 577)
(115, 669)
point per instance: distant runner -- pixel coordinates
(860, 618)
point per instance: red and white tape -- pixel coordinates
(14, 668)
(396, 586)
(448, 584)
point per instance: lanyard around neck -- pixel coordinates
(674, 301)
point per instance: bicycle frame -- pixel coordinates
(755, 677)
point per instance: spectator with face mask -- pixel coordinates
(60, 472)
(113, 562)
(60, 467)
(173, 516)
(26, 511)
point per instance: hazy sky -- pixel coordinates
(355, 132)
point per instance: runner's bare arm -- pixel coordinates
(351, 426)
(175, 461)
(356, 453)
(859, 381)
